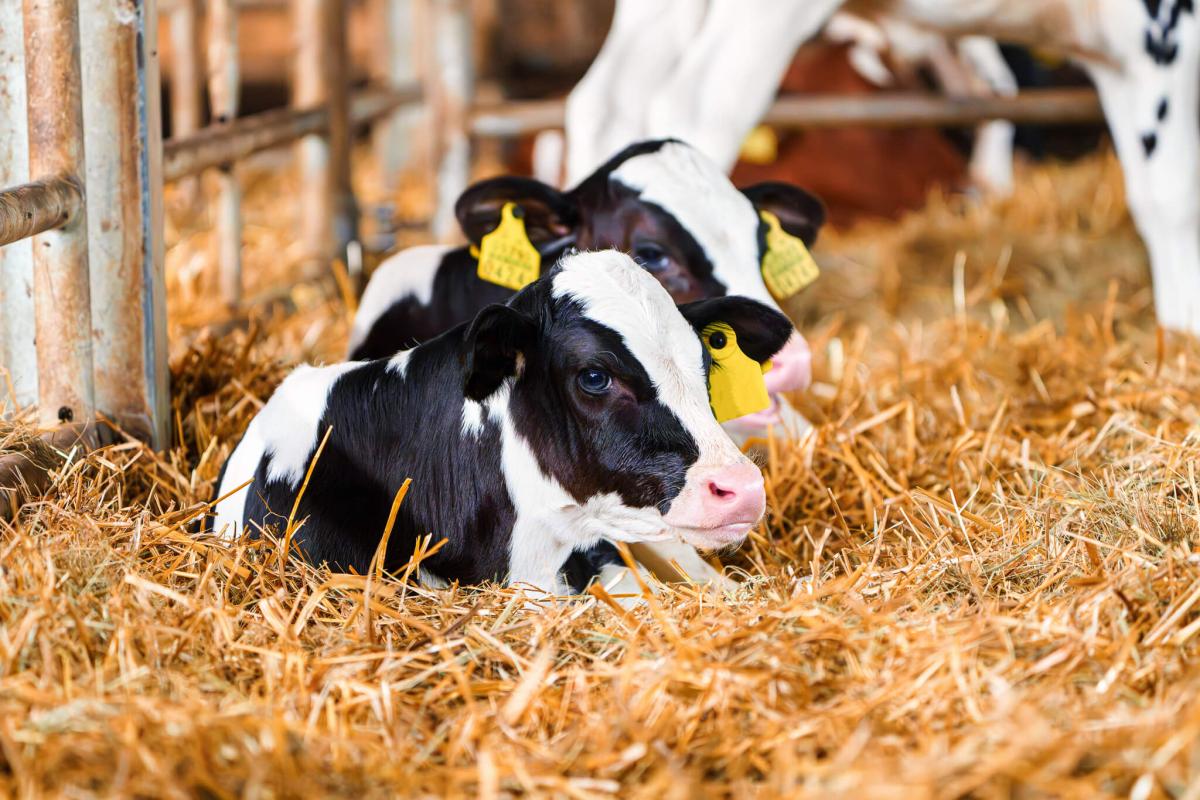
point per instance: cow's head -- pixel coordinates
(601, 383)
(679, 216)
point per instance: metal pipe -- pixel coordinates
(223, 91)
(62, 298)
(123, 140)
(450, 80)
(1045, 106)
(394, 65)
(219, 144)
(38, 207)
(18, 356)
(187, 106)
(309, 89)
(341, 140)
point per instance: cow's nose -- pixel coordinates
(735, 495)
(791, 367)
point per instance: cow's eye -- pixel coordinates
(595, 381)
(651, 257)
(717, 340)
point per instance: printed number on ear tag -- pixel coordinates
(787, 266)
(735, 382)
(506, 256)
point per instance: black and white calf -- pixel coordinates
(578, 412)
(662, 201)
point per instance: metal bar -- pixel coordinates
(187, 106)
(220, 144)
(394, 65)
(341, 140)
(38, 207)
(223, 90)
(312, 62)
(62, 298)
(123, 140)
(450, 80)
(18, 356)
(1044, 106)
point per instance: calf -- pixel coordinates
(661, 201)
(575, 413)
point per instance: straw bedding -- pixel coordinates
(979, 575)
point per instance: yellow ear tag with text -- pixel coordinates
(735, 382)
(787, 266)
(506, 256)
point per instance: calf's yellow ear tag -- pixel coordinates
(787, 266)
(735, 382)
(506, 256)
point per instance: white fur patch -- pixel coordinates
(689, 186)
(472, 418)
(399, 362)
(409, 273)
(286, 430)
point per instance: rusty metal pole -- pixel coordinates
(316, 210)
(341, 135)
(18, 356)
(187, 105)
(223, 90)
(62, 297)
(123, 140)
(450, 89)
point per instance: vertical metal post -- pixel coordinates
(62, 298)
(17, 352)
(123, 141)
(394, 65)
(328, 219)
(449, 89)
(186, 102)
(223, 91)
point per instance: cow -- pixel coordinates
(707, 70)
(575, 413)
(661, 201)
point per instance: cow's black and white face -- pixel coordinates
(673, 210)
(600, 384)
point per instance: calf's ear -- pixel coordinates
(548, 213)
(761, 330)
(494, 340)
(800, 213)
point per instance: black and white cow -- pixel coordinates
(707, 70)
(662, 201)
(575, 413)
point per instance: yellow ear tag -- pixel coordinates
(506, 256)
(735, 382)
(787, 266)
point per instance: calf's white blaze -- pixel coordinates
(409, 273)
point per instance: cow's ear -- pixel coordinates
(494, 342)
(761, 330)
(800, 213)
(550, 215)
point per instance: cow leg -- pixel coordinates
(607, 108)
(730, 72)
(1152, 108)
(991, 165)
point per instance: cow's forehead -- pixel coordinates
(690, 187)
(613, 291)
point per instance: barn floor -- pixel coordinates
(980, 574)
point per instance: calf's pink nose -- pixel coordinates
(791, 367)
(734, 495)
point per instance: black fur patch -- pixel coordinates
(1163, 107)
(1149, 143)
(1160, 41)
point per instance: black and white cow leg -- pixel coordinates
(1151, 103)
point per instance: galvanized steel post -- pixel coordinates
(18, 356)
(394, 65)
(224, 86)
(186, 101)
(62, 298)
(123, 140)
(449, 89)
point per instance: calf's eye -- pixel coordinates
(717, 340)
(595, 381)
(651, 257)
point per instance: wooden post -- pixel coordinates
(62, 298)
(223, 91)
(17, 352)
(123, 141)
(328, 217)
(186, 101)
(449, 80)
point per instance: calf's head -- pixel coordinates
(601, 384)
(671, 208)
